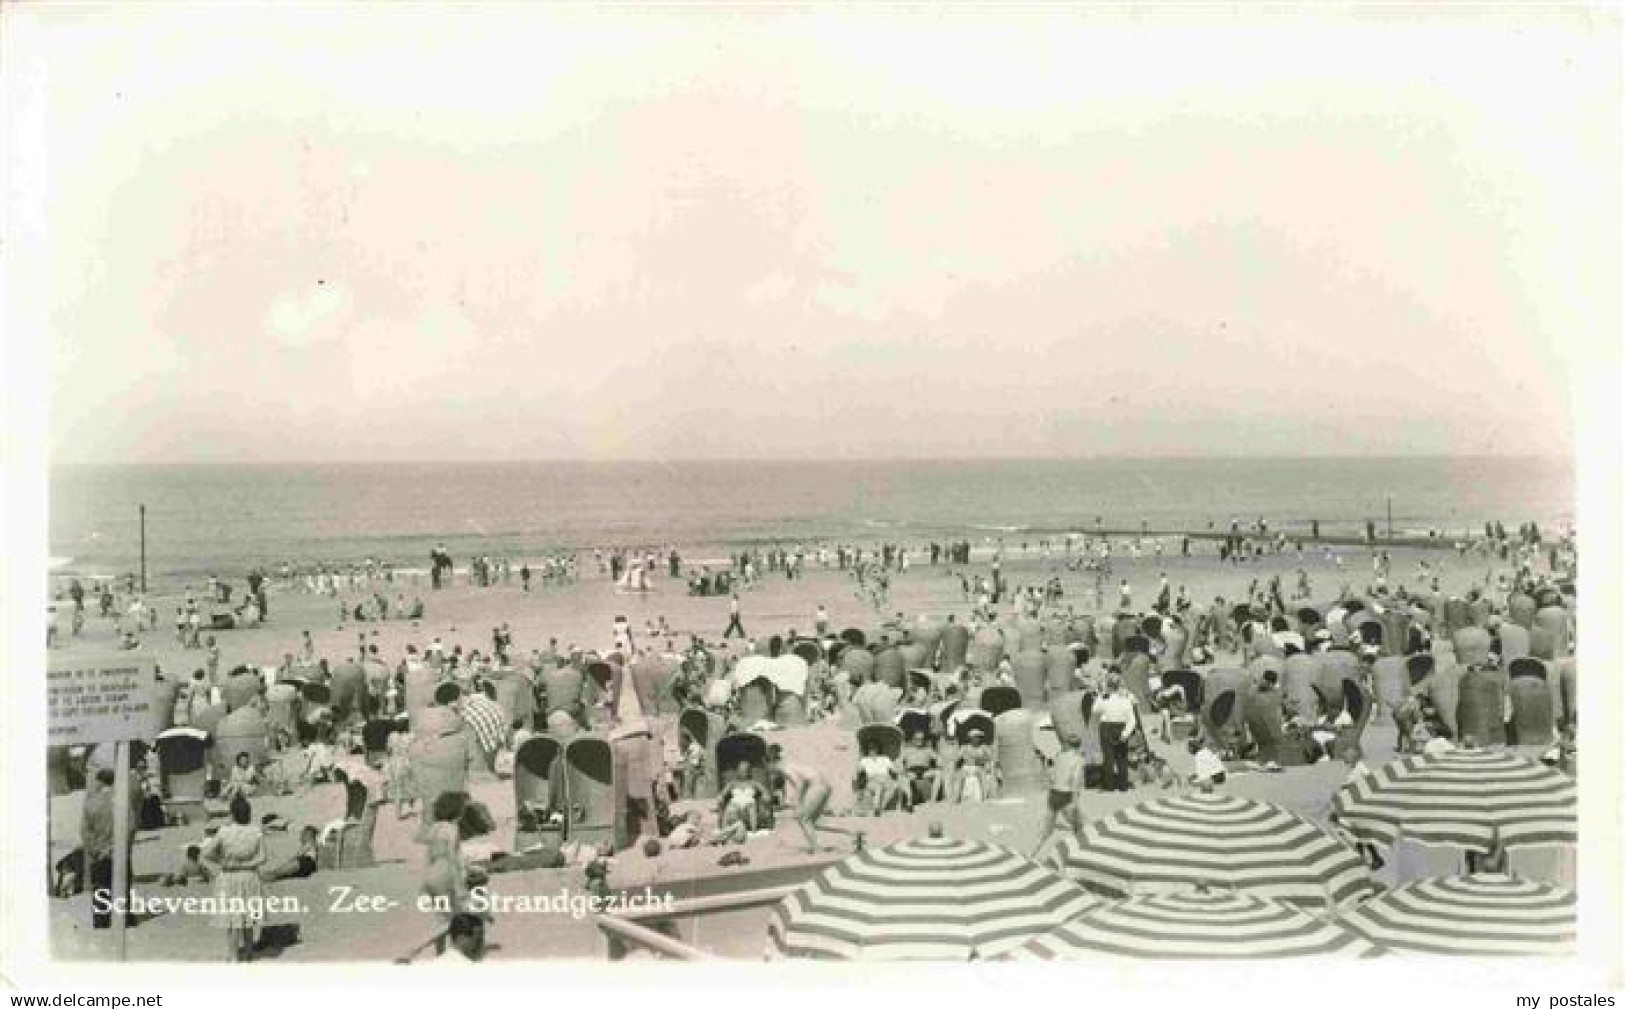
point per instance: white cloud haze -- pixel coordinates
(493, 232)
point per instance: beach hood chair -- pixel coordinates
(955, 646)
(1224, 709)
(1481, 707)
(564, 688)
(1472, 645)
(183, 771)
(1334, 667)
(1067, 715)
(1265, 720)
(1534, 715)
(965, 721)
(706, 728)
(241, 731)
(1028, 667)
(750, 749)
(912, 720)
(997, 700)
(1444, 689)
(1021, 768)
(1549, 637)
(890, 666)
(888, 739)
(538, 784)
(986, 650)
(592, 816)
(1512, 641)
(439, 753)
(915, 658)
(349, 691)
(1060, 669)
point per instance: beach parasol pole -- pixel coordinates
(143, 548)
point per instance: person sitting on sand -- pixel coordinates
(244, 779)
(920, 769)
(301, 865)
(686, 834)
(976, 769)
(1208, 768)
(319, 761)
(879, 777)
(740, 798)
(191, 868)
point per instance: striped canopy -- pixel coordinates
(1480, 915)
(1220, 840)
(1196, 926)
(924, 899)
(1467, 798)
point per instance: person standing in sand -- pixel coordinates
(1065, 781)
(734, 623)
(811, 792)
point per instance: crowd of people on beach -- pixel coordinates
(373, 725)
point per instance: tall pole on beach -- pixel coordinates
(143, 549)
(1390, 517)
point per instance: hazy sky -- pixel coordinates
(271, 234)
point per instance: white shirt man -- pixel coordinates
(1117, 707)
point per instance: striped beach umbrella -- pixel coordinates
(1196, 925)
(1472, 799)
(1479, 915)
(929, 898)
(1214, 839)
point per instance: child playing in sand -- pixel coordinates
(192, 868)
(687, 832)
(244, 779)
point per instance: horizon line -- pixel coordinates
(805, 459)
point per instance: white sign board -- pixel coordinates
(99, 700)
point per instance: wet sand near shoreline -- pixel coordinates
(583, 614)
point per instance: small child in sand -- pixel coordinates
(687, 832)
(191, 869)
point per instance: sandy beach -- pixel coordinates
(583, 614)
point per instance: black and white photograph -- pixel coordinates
(653, 487)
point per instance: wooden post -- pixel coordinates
(143, 549)
(121, 844)
(1390, 518)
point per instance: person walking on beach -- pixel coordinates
(1065, 781)
(733, 619)
(1116, 724)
